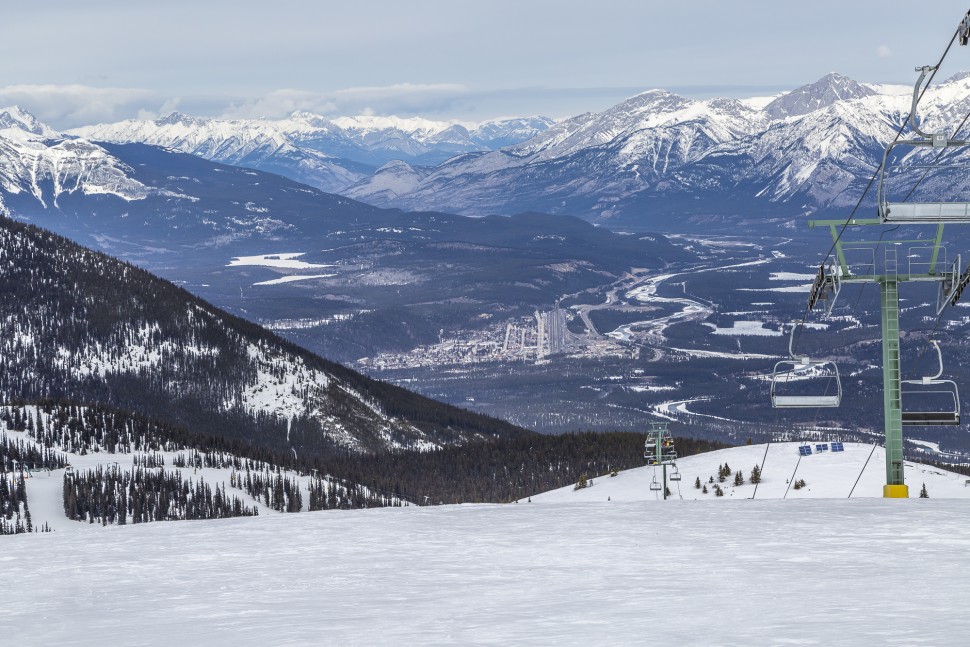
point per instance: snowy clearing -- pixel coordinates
(790, 276)
(790, 288)
(755, 328)
(286, 260)
(693, 352)
(295, 277)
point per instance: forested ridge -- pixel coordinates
(79, 326)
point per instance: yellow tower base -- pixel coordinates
(895, 491)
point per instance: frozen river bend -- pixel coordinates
(750, 572)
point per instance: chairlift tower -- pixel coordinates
(659, 449)
(860, 262)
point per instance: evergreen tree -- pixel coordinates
(581, 483)
(697, 483)
(738, 478)
(922, 492)
(704, 489)
(755, 475)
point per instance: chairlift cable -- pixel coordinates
(860, 473)
(792, 480)
(762, 469)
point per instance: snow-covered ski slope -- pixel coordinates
(827, 475)
(799, 572)
(570, 568)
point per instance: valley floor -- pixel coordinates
(739, 572)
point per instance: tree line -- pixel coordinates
(502, 470)
(115, 496)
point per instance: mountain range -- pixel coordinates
(659, 156)
(648, 159)
(329, 154)
(652, 158)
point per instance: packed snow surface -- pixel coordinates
(804, 572)
(609, 564)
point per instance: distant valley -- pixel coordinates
(541, 319)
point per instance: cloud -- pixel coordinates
(883, 51)
(64, 106)
(390, 99)
(57, 104)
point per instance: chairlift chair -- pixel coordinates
(943, 394)
(654, 485)
(786, 367)
(674, 475)
(917, 212)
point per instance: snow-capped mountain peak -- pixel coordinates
(827, 90)
(15, 119)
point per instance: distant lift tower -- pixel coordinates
(659, 451)
(901, 261)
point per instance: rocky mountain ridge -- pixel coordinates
(329, 154)
(659, 156)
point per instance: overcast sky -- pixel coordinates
(74, 63)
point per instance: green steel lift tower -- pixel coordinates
(890, 263)
(659, 451)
